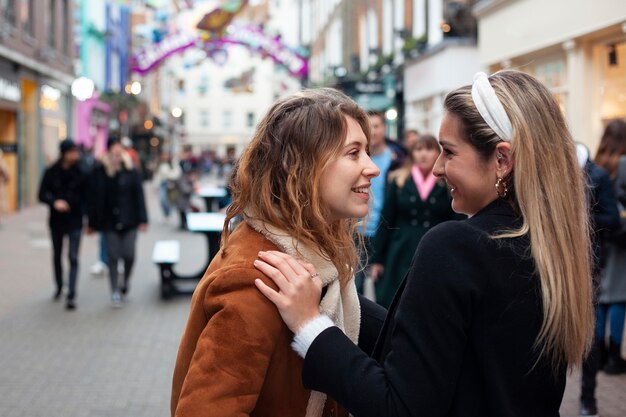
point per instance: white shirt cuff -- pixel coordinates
(307, 333)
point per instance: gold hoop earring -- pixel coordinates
(501, 188)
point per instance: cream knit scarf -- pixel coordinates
(341, 305)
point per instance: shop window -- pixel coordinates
(611, 62)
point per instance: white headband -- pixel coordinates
(490, 107)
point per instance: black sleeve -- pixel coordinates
(141, 202)
(95, 189)
(387, 222)
(429, 335)
(372, 319)
(605, 213)
(45, 193)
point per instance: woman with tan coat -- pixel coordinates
(300, 186)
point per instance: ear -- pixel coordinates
(504, 159)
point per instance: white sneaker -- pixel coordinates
(99, 268)
(116, 300)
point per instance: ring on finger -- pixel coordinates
(315, 275)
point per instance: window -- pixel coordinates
(227, 121)
(250, 119)
(8, 11)
(26, 8)
(204, 118)
(65, 41)
(203, 85)
(51, 23)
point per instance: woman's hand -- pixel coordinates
(299, 287)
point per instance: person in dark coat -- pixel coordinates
(611, 156)
(495, 308)
(118, 209)
(63, 189)
(605, 218)
(415, 201)
(388, 155)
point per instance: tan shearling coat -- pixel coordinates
(235, 357)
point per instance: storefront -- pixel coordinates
(582, 59)
(428, 78)
(54, 100)
(10, 96)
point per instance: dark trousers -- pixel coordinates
(120, 245)
(590, 368)
(57, 252)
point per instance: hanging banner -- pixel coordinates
(252, 37)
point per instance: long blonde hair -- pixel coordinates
(548, 190)
(277, 178)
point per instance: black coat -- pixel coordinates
(117, 202)
(603, 207)
(405, 218)
(70, 185)
(458, 339)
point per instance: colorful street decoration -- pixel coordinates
(216, 20)
(252, 37)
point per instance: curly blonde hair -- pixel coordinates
(277, 178)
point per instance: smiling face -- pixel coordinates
(345, 182)
(470, 177)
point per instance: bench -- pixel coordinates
(166, 254)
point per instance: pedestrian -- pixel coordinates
(495, 308)
(415, 201)
(604, 219)
(117, 208)
(185, 188)
(300, 185)
(4, 181)
(388, 156)
(611, 156)
(64, 189)
(410, 137)
(165, 179)
(188, 161)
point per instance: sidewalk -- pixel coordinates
(96, 361)
(101, 362)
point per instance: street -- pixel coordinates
(103, 362)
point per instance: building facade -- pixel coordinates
(579, 54)
(36, 72)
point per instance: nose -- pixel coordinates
(438, 170)
(370, 170)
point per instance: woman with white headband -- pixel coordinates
(495, 308)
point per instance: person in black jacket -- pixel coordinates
(605, 218)
(63, 189)
(118, 209)
(495, 308)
